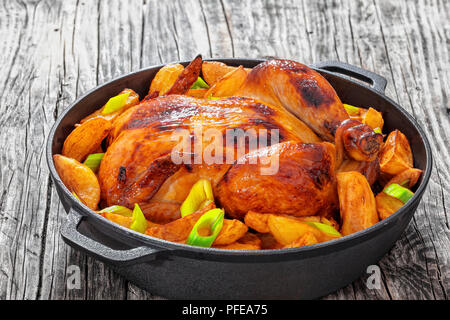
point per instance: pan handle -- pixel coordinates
(71, 235)
(376, 81)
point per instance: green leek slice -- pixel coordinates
(351, 110)
(123, 211)
(324, 228)
(397, 191)
(93, 161)
(138, 221)
(116, 103)
(377, 130)
(200, 196)
(212, 221)
(200, 84)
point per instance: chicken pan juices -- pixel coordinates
(235, 158)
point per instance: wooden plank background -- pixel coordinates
(53, 51)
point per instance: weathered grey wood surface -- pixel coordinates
(53, 51)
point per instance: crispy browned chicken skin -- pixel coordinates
(138, 168)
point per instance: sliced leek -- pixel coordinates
(351, 110)
(116, 103)
(93, 161)
(200, 196)
(397, 191)
(200, 84)
(138, 221)
(207, 228)
(324, 228)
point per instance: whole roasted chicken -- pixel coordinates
(157, 148)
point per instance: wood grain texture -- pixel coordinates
(53, 51)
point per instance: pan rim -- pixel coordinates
(314, 250)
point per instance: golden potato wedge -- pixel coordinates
(287, 230)
(396, 155)
(119, 219)
(78, 179)
(250, 238)
(178, 230)
(238, 246)
(268, 241)
(133, 99)
(228, 84)
(373, 119)
(196, 93)
(212, 71)
(165, 78)
(356, 201)
(249, 241)
(187, 77)
(407, 178)
(257, 221)
(387, 205)
(305, 240)
(370, 169)
(86, 139)
(232, 230)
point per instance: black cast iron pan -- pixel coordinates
(184, 272)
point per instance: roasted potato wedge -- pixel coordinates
(187, 77)
(238, 246)
(212, 71)
(357, 202)
(196, 93)
(257, 221)
(268, 241)
(286, 230)
(178, 230)
(86, 139)
(228, 84)
(407, 178)
(119, 219)
(249, 241)
(165, 78)
(232, 230)
(78, 179)
(373, 119)
(396, 155)
(387, 205)
(133, 99)
(305, 240)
